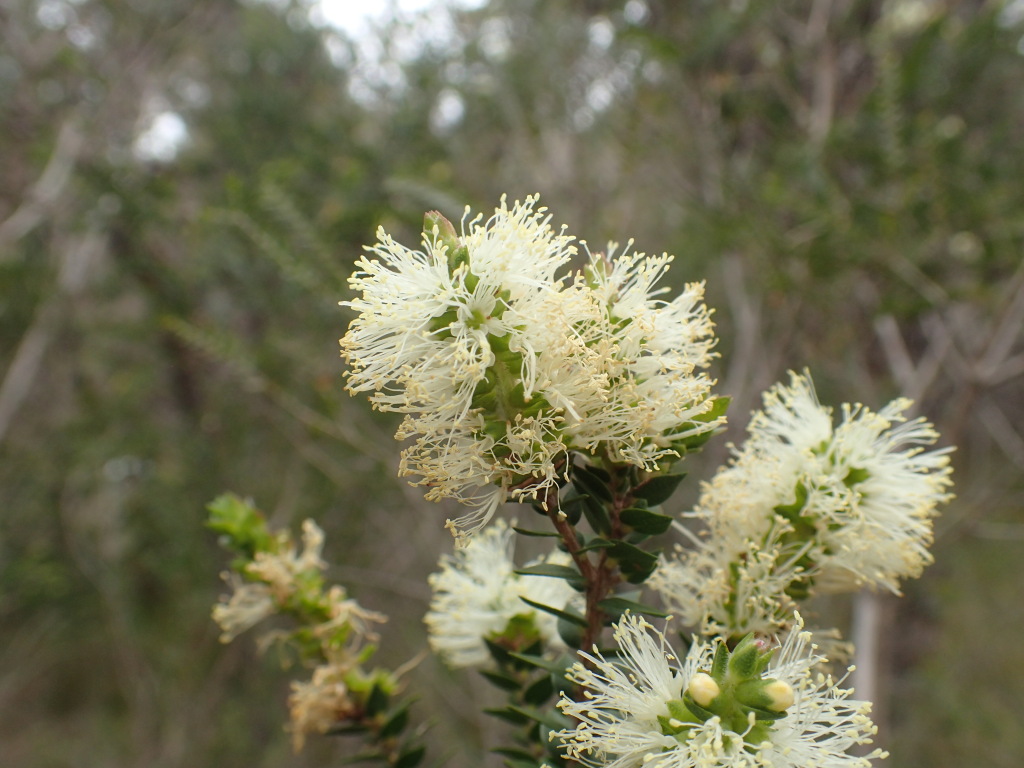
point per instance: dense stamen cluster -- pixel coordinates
(749, 708)
(503, 367)
(807, 505)
(477, 597)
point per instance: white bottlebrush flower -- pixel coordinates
(454, 336)
(477, 592)
(805, 505)
(651, 353)
(635, 714)
(502, 365)
(866, 486)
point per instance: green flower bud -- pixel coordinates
(749, 659)
(434, 224)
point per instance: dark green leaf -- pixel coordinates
(636, 564)
(554, 666)
(527, 532)
(597, 515)
(645, 520)
(347, 729)
(540, 691)
(542, 716)
(411, 757)
(616, 606)
(396, 722)
(377, 701)
(575, 618)
(509, 715)
(514, 753)
(498, 652)
(588, 481)
(659, 488)
(552, 570)
(501, 681)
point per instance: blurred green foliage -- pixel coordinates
(845, 174)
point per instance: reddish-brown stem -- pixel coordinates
(600, 576)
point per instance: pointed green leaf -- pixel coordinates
(645, 520)
(551, 569)
(501, 681)
(509, 715)
(636, 564)
(499, 653)
(588, 481)
(575, 618)
(556, 667)
(539, 691)
(346, 729)
(527, 532)
(544, 717)
(377, 701)
(396, 722)
(616, 606)
(597, 515)
(513, 752)
(596, 543)
(410, 758)
(659, 488)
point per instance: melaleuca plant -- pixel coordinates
(571, 383)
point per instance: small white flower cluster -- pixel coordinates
(807, 505)
(628, 717)
(477, 593)
(502, 366)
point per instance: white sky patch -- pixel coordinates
(162, 139)
(448, 111)
(357, 17)
(377, 69)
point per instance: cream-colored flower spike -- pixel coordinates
(866, 485)
(651, 354)
(641, 709)
(808, 505)
(503, 365)
(454, 335)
